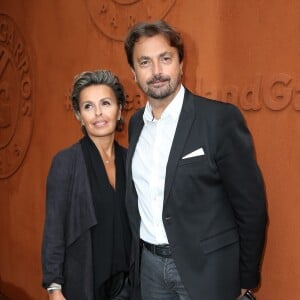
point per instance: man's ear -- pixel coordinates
(134, 75)
(181, 68)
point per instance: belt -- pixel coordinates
(163, 250)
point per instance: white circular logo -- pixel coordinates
(15, 97)
(115, 17)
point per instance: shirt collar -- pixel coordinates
(172, 110)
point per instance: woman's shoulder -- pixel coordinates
(120, 149)
(68, 153)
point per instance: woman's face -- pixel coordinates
(99, 110)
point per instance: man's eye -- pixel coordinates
(166, 59)
(144, 63)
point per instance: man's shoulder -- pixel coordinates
(138, 114)
(210, 104)
(136, 118)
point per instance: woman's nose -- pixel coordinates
(98, 111)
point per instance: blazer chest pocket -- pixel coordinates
(220, 241)
(193, 160)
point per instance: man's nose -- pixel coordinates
(156, 67)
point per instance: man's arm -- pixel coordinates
(244, 184)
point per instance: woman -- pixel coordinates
(85, 252)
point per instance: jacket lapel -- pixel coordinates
(81, 205)
(184, 125)
(137, 126)
(131, 199)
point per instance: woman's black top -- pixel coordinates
(111, 236)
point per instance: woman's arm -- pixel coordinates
(53, 246)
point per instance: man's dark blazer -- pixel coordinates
(214, 210)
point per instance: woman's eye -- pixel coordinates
(87, 106)
(106, 102)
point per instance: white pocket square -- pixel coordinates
(197, 152)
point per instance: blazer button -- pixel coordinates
(168, 219)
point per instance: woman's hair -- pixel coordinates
(97, 77)
(146, 29)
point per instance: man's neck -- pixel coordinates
(158, 106)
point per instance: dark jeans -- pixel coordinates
(160, 279)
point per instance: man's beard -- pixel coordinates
(162, 92)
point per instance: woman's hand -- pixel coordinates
(56, 295)
(243, 291)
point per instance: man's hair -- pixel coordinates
(147, 29)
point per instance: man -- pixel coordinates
(195, 195)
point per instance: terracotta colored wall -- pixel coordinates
(244, 52)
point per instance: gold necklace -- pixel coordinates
(106, 160)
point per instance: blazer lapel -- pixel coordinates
(131, 199)
(135, 134)
(184, 125)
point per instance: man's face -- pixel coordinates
(157, 68)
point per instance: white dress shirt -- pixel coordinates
(149, 168)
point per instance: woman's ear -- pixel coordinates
(78, 116)
(120, 112)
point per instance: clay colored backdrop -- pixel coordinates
(243, 52)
